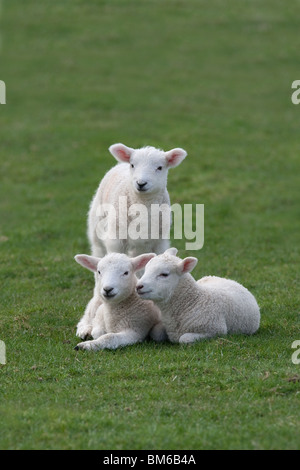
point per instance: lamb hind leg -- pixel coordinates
(158, 333)
(188, 338)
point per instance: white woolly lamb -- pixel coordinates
(123, 318)
(192, 310)
(139, 178)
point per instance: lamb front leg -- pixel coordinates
(85, 325)
(111, 341)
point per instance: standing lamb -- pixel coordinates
(123, 318)
(140, 179)
(192, 310)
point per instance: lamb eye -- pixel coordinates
(99, 272)
(159, 168)
(132, 165)
(126, 273)
(164, 274)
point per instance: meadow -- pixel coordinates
(211, 77)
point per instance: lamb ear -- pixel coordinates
(175, 156)
(139, 262)
(121, 152)
(187, 264)
(89, 262)
(171, 251)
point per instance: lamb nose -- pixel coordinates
(108, 289)
(141, 185)
(139, 287)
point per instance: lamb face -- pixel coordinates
(162, 275)
(116, 279)
(148, 166)
(115, 273)
(158, 282)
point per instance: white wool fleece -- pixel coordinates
(123, 318)
(193, 310)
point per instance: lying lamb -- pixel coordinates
(139, 178)
(123, 318)
(192, 310)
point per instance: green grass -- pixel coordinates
(216, 80)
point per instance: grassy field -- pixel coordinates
(216, 80)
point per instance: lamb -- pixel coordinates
(140, 178)
(192, 311)
(122, 318)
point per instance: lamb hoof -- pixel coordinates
(189, 338)
(87, 337)
(84, 331)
